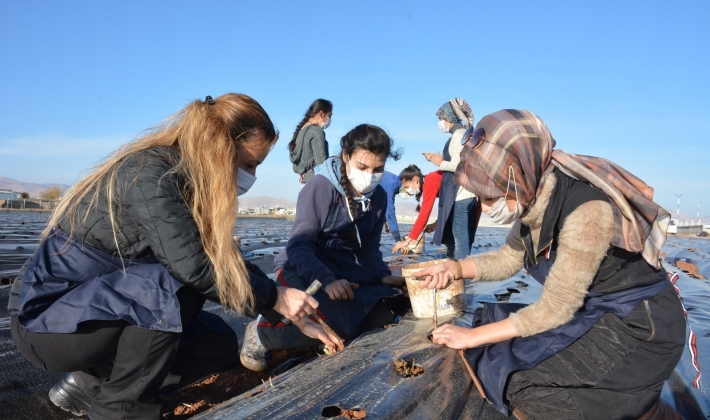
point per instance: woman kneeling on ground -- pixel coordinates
(608, 329)
(335, 239)
(131, 254)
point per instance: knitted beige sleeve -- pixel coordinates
(504, 262)
(583, 243)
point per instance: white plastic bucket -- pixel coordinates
(449, 301)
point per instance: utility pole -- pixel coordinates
(677, 214)
(699, 221)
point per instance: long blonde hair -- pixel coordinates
(207, 134)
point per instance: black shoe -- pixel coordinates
(67, 395)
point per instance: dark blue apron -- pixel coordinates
(495, 363)
(67, 283)
(337, 251)
(447, 198)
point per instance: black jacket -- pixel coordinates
(154, 219)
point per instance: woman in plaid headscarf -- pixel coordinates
(607, 330)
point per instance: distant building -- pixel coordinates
(275, 210)
(9, 195)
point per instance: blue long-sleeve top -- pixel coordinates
(391, 183)
(323, 225)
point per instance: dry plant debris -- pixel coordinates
(689, 268)
(196, 398)
(408, 369)
(335, 411)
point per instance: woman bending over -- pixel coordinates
(608, 329)
(132, 253)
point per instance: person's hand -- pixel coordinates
(455, 337)
(341, 290)
(402, 245)
(393, 281)
(431, 227)
(294, 304)
(435, 158)
(315, 330)
(437, 276)
(387, 227)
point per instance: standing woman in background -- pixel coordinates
(308, 147)
(459, 210)
(132, 253)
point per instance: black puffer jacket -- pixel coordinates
(154, 219)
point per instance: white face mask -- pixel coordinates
(499, 212)
(326, 124)
(404, 195)
(443, 126)
(362, 181)
(244, 181)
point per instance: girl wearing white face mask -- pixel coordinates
(406, 185)
(308, 146)
(132, 253)
(459, 210)
(608, 328)
(335, 239)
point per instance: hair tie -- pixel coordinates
(209, 100)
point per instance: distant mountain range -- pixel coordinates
(30, 188)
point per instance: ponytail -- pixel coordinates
(317, 106)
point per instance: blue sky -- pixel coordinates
(628, 81)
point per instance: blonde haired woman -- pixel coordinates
(131, 254)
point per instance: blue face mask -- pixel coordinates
(244, 181)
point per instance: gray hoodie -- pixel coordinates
(311, 149)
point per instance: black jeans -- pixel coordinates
(120, 366)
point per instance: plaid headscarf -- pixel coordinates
(521, 140)
(456, 110)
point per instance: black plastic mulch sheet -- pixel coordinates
(23, 387)
(363, 377)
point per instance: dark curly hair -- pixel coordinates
(364, 137)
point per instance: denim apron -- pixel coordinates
(495, 363)
(337, 251)
(447, 198)
(67, 283)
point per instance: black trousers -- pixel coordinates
(122, 367)
(614, 371)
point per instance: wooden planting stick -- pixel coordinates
(329, 330)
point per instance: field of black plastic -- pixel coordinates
(364, 377)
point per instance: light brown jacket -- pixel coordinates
(583, 242)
